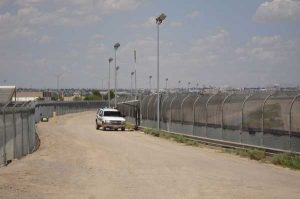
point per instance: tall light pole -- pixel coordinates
(150, 77)
(116, 88)
(108, 92)
(131, 74)
(189, 83)
(167, 83)
(136, 93)
(159, 20)
(116, 46)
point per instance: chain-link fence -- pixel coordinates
(270, 120)
(17, 124)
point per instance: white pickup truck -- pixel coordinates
(109, 118)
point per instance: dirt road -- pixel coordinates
(76, 161)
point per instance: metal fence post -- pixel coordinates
(148, 107)
(242, 116)
(290, 121)
(263, 119)
(206, 113)
(162, 106)
(181, 105)
(222, 113)
(222, 110)
(171, 107)
(194, 113)
(22, 140)
(28, 133)
(15, 130)
(4, 138)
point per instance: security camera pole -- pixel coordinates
(117, 68)
(159, 20)
(150, 77)
(108, 93)
(167, 84)
(116, 46)
(135, 89)
(131, 74)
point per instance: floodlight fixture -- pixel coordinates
(116, 46)
(160, 18)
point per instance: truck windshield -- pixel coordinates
(112, 113)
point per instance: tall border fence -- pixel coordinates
(17, 124)
(268, 120)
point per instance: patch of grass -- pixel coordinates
(256, 154)
(287, 160)
(284, 159)
(170, 136)
(129, 126)
(253, 154)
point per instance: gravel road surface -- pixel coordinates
(77, 161)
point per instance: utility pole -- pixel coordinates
(135, 86)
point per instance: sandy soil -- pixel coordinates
(77, 161)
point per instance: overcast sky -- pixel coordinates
(220, 43)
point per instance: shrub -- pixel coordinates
(287, 160)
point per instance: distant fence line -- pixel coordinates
(17, 124)
(262, 119)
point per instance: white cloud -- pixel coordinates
(2, 2)
(150, 22)
(269, 50)
(98, 36)
(94, 51)
(176, 24)
(278, 10)
(193, 14)
(45, 39)
(31, 15)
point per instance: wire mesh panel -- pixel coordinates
(232, 111)
(214, 110)
(176, 108)
(295, 117)
(149, 106)
(165, 107)
(200, 110)
(252, 112)
(152, 109)
(163, 98)
(144, 106)
(276, 113)
(187, 110)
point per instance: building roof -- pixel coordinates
(29, 94)
(6, 93)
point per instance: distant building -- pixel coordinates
(77, 94)
(25, 96)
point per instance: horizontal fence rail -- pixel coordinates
(17, 124)
(270, 120)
